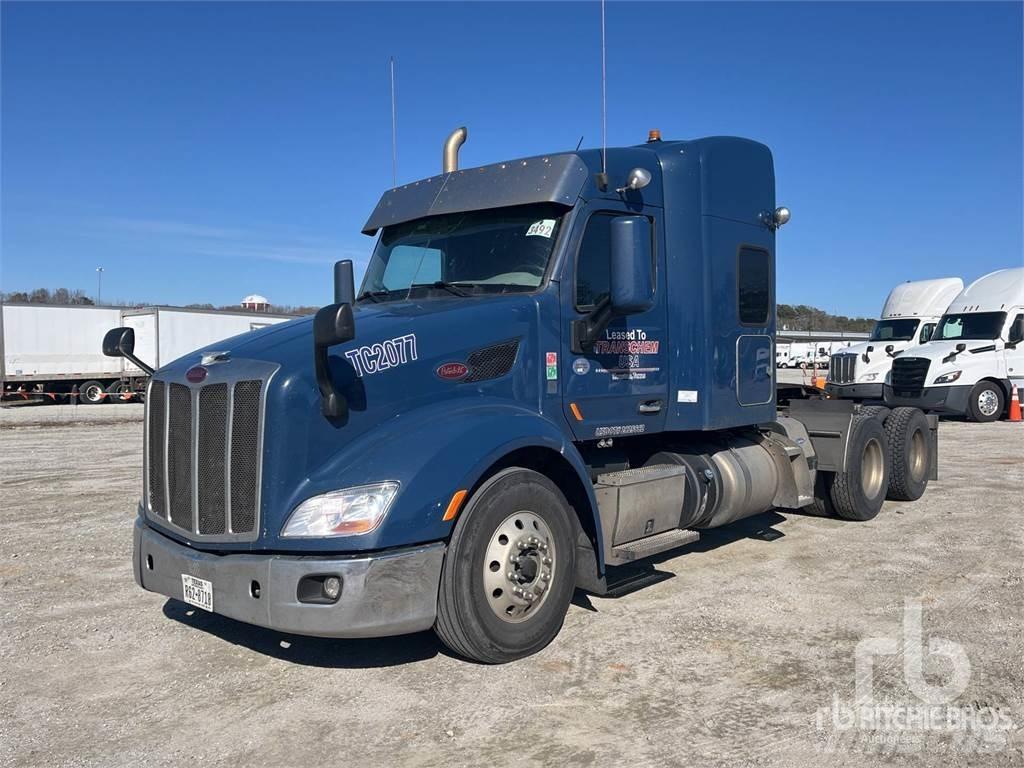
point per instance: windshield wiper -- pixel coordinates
(455, 288)
(374, 296)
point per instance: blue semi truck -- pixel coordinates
(555, 367)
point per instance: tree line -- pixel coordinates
(795, 317)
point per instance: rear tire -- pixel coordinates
(859, 492)
(91, 393)
(120, 392)
(986, 402)
(494, 609)
(910, 453)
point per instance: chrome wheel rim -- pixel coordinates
(918, 455)
(93, 393)
(872, 469)
(988, 403)
(519, 567)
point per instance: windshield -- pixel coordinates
(973, 325)
(495, 251)
(894, 330)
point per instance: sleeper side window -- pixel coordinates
(754, 286)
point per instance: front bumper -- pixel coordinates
(941, 399)
(388, 593)
(855, 391)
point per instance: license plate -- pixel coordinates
(197, 592)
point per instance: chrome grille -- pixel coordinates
(179, 455)
(203, 456)
(213, 410)
(245, 423)
(842, 369)
(909, 375)
(156, 402)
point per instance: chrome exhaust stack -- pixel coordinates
(450, 161)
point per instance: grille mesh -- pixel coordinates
(842, 369)
(492, 362)
(245, 431)
(213, 411)
(157, 407)
(909, 374)
(179, 456)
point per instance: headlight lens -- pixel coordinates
(869, 377)
(947, 378)
(345, 512)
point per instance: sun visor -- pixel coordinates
(542, 179)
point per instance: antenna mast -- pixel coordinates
(394, 126)
(604, 101)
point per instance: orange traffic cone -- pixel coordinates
(1014, 405)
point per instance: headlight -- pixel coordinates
(869, 377)
(948, 378)
(346, 512)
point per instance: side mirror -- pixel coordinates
(344, 284)
(888, 349)
(333, 324)
(865, 357)
(120, 342)
(632, 265)
(1016, 335)
(961, 347)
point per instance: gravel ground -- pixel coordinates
(34, 414)
(739, 656)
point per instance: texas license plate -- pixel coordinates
(197, 592)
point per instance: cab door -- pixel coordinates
(619, 387)
(1013, 351)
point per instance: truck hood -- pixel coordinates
(405, 356)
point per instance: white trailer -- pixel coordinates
(163, 334)
(49, 351)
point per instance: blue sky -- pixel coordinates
(201, 151)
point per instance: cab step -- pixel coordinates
(652, 545)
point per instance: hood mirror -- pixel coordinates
(120, 342)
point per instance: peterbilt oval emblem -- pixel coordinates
(196, 374)
(452, 371)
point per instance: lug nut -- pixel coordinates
(544, 577)
(547, 561)
(521, 544)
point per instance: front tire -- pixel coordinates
(986, 402)
(509, 572)
(859, 492)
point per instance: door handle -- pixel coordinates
(651, 406)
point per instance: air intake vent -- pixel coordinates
(492, 362)
(156, 402)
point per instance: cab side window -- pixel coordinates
(1016, 334)
(593, 265)
(926, 332)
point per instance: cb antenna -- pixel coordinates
(394, 126)
(602, 181)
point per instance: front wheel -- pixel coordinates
(509, 572)
(986, 402)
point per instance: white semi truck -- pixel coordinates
(908, 318)
(47, 351)
(974, 356)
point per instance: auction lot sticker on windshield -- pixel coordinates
(197, 592)
(542, 228)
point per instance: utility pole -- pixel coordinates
(99, 285)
